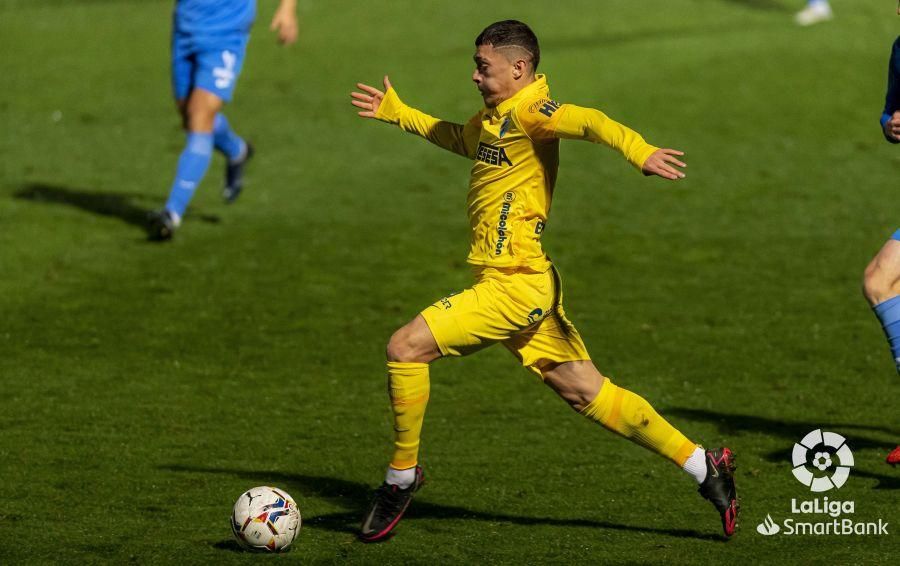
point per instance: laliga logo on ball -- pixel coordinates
(822, 446)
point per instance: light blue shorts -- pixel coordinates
(210, 62)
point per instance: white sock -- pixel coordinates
(696, 464)
(405, 478)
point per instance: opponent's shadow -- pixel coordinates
(354, 497)
(124, 206)
(793, 431)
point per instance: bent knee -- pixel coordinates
(877, 285)
(401, 348)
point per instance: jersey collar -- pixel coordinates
(538, 87)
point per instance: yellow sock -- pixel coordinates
(409, 388)
(630, 415)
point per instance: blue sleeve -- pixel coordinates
(892, 99)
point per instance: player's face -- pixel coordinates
(494, 75)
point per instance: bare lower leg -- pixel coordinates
(578, 383)
(198, 112)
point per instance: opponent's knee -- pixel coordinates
(200, 112)
(200, 119)
(877, 285)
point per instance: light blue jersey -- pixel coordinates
(213, 17)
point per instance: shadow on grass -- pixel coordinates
(354, 497)
(117, 205)
(230, 545)
(770, 5)
(793, 431)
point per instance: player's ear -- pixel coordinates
(519, 68)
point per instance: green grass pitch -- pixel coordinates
(145, 387)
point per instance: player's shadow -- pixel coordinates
(354, 497)
(793, 431)
(124, 206)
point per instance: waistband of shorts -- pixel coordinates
(480, 271)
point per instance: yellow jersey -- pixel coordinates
(515, 153)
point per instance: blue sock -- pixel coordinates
(228, 142)
(888, 313)
(192, 166)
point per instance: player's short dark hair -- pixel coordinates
(511, 33)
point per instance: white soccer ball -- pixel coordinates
(265, 518)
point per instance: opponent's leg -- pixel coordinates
(881, 287)
(630, 415)
(200, 112)
(409, 352)
(237, 153)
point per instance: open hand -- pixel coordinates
(662, 163)
(370, 99)
(892, 127)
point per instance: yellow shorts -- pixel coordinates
(520, 309)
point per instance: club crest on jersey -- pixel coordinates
(504, 127)
(491, 154)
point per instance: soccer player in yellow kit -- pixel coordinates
(516, 300)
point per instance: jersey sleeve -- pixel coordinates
(545, 120)
(892, 98)
(458, 138)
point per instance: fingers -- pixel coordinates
(669, 156)
(369, 99)
(892, 128)
(666, 172)
(674, 160)
(370, 89)
(663, 163)
(288, 36)
(657, 166)
(387, 83)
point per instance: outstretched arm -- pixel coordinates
(386, 106)
(551, 120)
(285, 22)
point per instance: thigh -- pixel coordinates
(465, 322)
(219, 64)
(552, 341)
